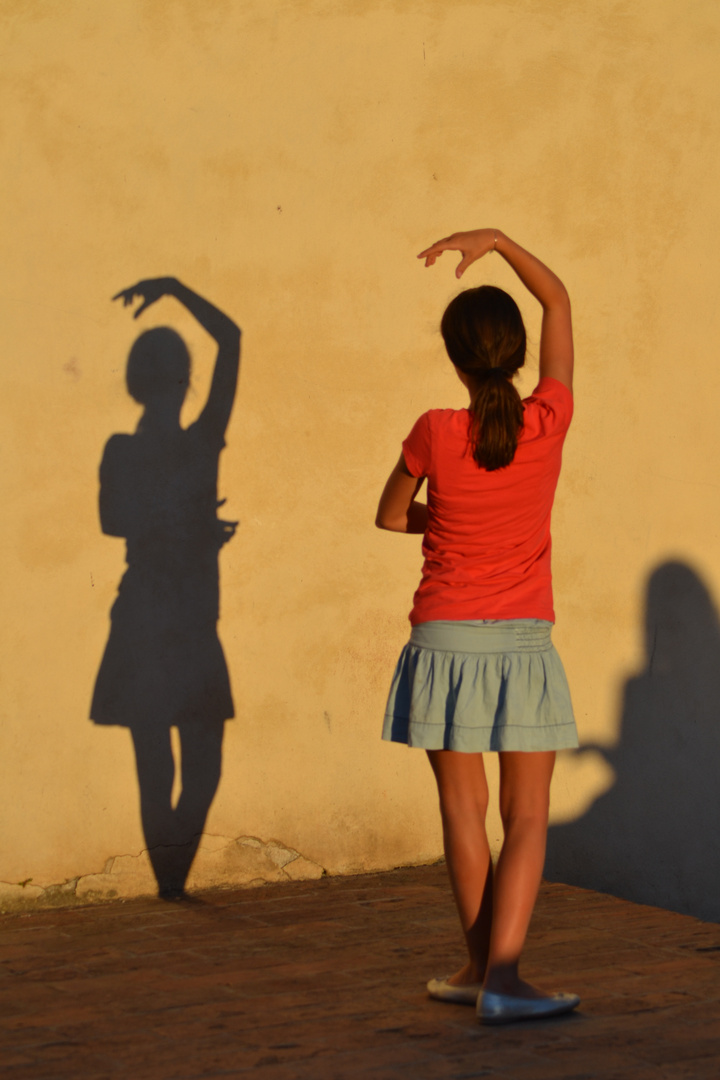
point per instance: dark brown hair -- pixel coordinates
(485, 339)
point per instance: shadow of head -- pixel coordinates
(682, 631)
(158, 368)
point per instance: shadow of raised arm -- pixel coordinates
(216, 413)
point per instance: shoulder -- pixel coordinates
(118, 447)
(119, 441)
(447, 416)
(429, 435)
(205, 430)
(550, 405)
(436, 422)
(440, 419)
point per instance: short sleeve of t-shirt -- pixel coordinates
(417, 447)
(549, 408)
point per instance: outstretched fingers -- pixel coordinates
(126, 295)
(468, 244)
(149, 291)
(435, 250)
(129, 295)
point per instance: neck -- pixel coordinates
(159, 419)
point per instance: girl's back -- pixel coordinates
(487, 544)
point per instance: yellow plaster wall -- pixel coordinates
(287, 160)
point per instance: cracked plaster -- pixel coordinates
(221, 862)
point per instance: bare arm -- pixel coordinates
(556, 341)
(227, 335)
(398, 511)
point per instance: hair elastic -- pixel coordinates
(491, 373)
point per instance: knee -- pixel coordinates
(531, 817)
(460, 807)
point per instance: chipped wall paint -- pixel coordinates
(221, 862)
(287, 161)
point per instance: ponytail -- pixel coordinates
(497, 417)
(485, 339)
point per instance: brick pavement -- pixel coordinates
(325, 979)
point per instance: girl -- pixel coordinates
(480, 672)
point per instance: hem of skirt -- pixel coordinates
(480, 740)
(164, 722)
(519, 651)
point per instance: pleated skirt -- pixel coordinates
(482, 685)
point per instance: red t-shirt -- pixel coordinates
(487, 544)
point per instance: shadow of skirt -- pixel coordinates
(483, 685)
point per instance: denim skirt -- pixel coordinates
(488, 684)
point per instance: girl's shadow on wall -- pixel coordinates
(163, 665)
(655, 836)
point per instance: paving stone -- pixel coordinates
(325, 979)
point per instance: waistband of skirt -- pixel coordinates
(483, 636)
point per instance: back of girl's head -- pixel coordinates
(158, 366)
(484, 336)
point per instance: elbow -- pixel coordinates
(560, 299)
(384, 521)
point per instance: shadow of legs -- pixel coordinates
(172, 834)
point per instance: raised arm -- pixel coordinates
(227, 335)
(556, 341)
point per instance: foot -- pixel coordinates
(495, 1008)
(462, 988)
(469, 975)
(444, 990)
(509, 986)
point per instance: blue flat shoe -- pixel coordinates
(503, 1009)
(442, 990)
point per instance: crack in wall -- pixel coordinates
(221, 862)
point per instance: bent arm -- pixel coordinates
(227, 365)
(397, 510)
(556, 341)
(227, 335)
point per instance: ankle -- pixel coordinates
(502, 979)
(470, 974)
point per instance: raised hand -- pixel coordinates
(150, 291)
(472, 245)
(556, 343)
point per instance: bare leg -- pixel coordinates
(524, 805)
(463, 792)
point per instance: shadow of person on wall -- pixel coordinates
(163, 665)
(654, 837)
